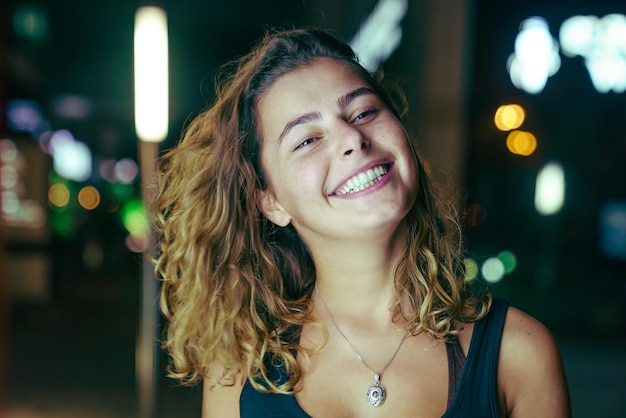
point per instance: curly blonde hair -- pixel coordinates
(236, 288)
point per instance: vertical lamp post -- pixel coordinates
(151, 126)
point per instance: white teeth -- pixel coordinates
(363, 180)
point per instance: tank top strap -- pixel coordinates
(476, 392)
(456, 361)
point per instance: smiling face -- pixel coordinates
(338, 163)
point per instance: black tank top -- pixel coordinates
(472, 381)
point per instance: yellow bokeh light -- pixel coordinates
(471, 269)
(521, 143)
(509, 117)
(59, 195)
(89, 197)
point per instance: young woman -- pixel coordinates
(309, 269)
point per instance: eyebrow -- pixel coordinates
(342, 102)
(300, 120)
(345, 100)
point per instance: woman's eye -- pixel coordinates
(364, 115)
(306, 142)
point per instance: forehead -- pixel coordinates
(321, 71)
(306, 89)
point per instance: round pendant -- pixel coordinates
(376, 395)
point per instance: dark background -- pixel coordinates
(68, 349)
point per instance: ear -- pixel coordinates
(272, 209)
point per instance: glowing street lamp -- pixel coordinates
(151, 74)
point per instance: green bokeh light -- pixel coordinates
(135, 219)
(30, 22)
(62, 223)
(509, 261)
(121, 191)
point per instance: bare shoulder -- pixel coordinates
(525, 335)
(221, 400)
(531, 378)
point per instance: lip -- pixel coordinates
(363, 169)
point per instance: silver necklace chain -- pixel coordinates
(376, 393)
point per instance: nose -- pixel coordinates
(364, 146)
(351, 139)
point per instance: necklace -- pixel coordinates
(376, 394)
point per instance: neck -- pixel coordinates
(356, 280)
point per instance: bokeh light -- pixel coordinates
(492, 270)
(8, 151)
(59, 195)
(126, 170)
(62, 223)
(25, 116)
(10, 202)
(89, 197)
(30, 21)
(17, 209)
(136, 244)
(613, 229)
(121, 191)
(602, 44)
(106, 169)
(550, 189)
(134, 218)
(509, 261)
(380, 33)
(30, 214)
(521, 143)
(471, 269)
(59, 139)
(536, 56)
(71, 159)
(8, 176)
(72, 106)
(509, 117)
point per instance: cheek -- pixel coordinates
(296, 184)
(307, 178)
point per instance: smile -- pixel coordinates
(363, 180)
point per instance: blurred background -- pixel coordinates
(522, 104)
